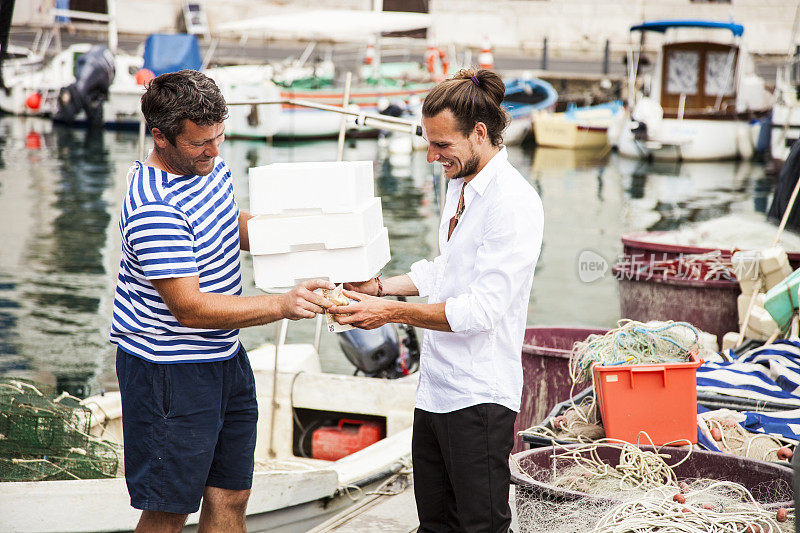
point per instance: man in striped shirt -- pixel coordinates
(188, 392)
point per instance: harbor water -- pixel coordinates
(61, 190)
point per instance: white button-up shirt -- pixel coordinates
(484, 275)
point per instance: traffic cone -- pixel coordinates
(486, 58)
(369, 54)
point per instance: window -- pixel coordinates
(682, 72)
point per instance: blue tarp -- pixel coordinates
(171, 53)
(663, 25)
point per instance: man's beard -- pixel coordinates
(469, 168)
(185, 166)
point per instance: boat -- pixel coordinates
(82, 83)
(786, 111)
(296, 121)
(523, 97)
(375, 85)
(577, 127)
(699, 101)
(36, 92)
(291, 492)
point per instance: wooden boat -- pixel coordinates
(318, 82)
(703, 93)
(291, 493)
(577, 127)
(523, 97)
(311, 123)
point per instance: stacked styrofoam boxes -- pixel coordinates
(771, 266)
(315, 220)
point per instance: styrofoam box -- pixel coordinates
(743, 302)
(277, 234)
(303, 188)
(339, 265)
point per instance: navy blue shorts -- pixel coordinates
(186, 426)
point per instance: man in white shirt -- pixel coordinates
(478, 290)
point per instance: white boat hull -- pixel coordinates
(290, 494)
(518, 129)
(689, 140)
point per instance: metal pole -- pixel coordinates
(343, 124)
(544, 54)
(324, 107)
(280, 336)
(142, 131)
(606, 57)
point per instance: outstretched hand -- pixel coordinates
(365, 311)
(369, 287)
(303, 302)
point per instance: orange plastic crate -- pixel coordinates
(660, 399)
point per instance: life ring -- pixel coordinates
(436, 61)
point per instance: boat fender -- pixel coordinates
(33, 101)
(144, 75)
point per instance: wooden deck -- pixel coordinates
(378, 513)
(386, 513)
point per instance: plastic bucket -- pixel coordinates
(660, 399)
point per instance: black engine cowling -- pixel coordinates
(94, 74)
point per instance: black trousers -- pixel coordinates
(461, 474)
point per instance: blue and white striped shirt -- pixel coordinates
(175, 226)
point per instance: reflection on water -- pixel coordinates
(61, 191)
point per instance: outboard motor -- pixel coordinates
(378, 352)
(94, 73)
(639, 130)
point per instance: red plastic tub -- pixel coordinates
(660, 399)
(643, 250)
(709, 305)
(331, 443)
(545, 371)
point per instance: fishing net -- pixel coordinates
(723, 428)
(634, 343)
(581, 492)
(46, 437)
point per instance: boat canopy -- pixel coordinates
(331, 24)
(171, 53)
(663, 25)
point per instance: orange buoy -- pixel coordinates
(143, 75)
(33, 101)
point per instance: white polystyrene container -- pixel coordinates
(278, 234)
(307, 188)
(338, 265)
